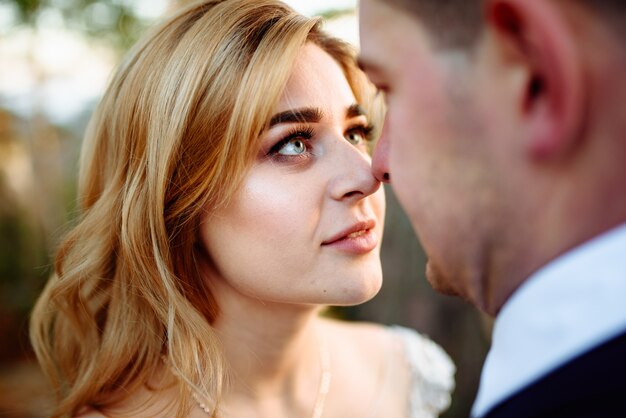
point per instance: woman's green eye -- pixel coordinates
(293, 147)
(355, 137)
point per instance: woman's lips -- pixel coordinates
(359, 238)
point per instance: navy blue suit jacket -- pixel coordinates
(592, 385)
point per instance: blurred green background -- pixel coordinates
(55, 59)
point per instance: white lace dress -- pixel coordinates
(430, 372)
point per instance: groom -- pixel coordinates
(505, 141)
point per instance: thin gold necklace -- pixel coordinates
(326, 375)
(322, 391)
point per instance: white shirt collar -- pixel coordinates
(564, 309)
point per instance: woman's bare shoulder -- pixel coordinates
(363, 341)
(365, 361)
(356, 331)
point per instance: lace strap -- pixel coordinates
(432, 374)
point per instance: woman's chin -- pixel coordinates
(357, 292)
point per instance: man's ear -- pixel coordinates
(552, 103)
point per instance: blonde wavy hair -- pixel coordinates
(172, 138)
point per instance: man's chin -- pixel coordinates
(438, 281)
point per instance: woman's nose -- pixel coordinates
(353, 178)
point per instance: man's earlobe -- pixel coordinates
(552, 105)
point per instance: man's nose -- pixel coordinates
(380, 159)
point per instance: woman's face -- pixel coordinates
(306, 225)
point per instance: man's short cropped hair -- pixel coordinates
(452, 23)
(459, 23)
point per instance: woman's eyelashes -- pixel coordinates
(297, 143)
(300, 141)
(359, 134)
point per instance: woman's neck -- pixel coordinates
(272, 350)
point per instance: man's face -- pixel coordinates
(442, 165)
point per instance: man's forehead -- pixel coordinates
(375, 18)
(385, 31)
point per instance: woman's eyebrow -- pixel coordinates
(354, 111)
(306, 114)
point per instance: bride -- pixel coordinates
(227, 198)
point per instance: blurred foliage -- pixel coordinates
(36, 198)
(114, 21)
(335, 13)
(33, 215)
